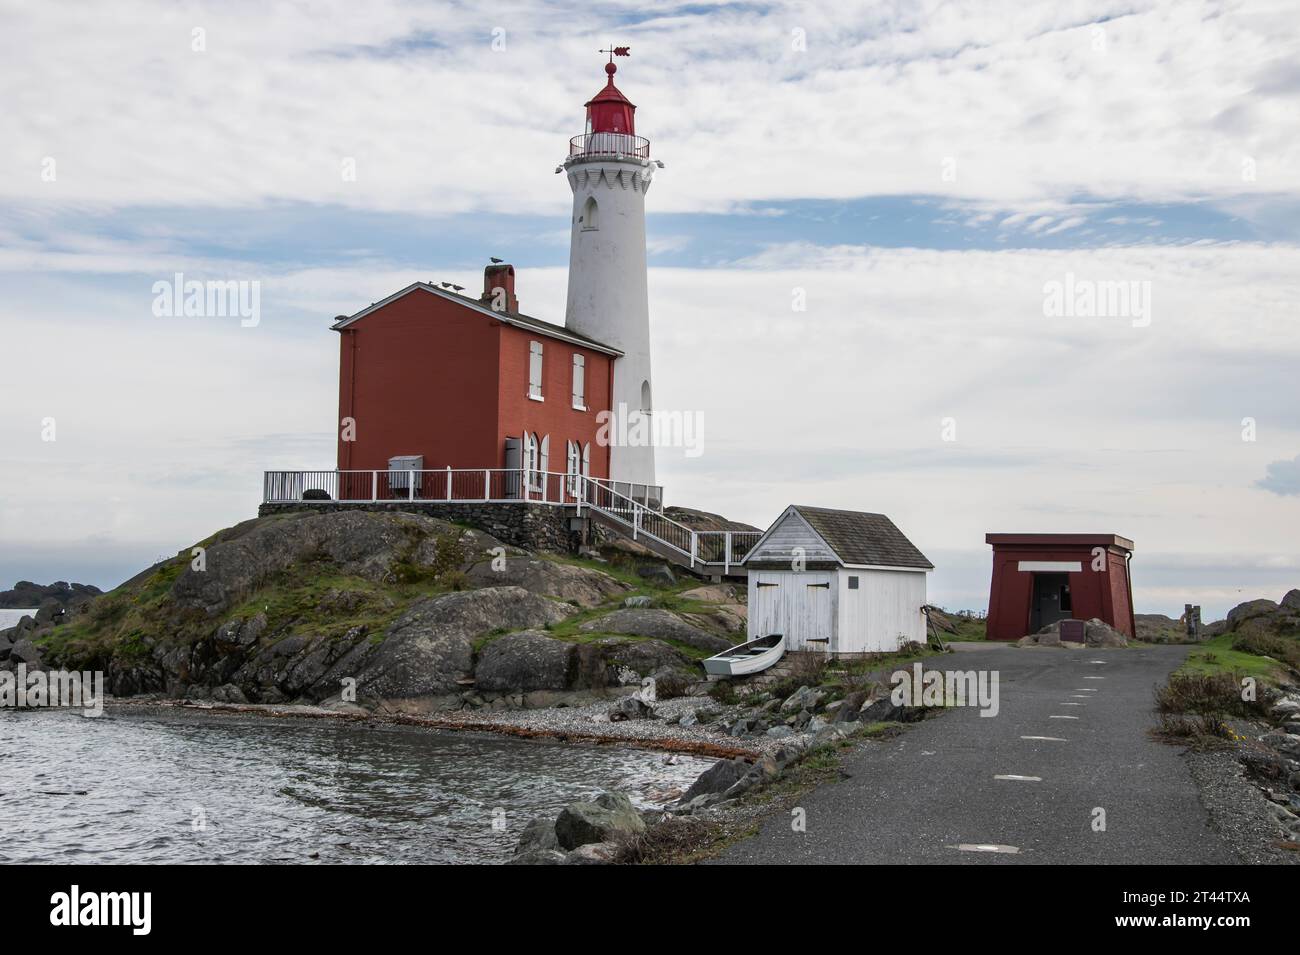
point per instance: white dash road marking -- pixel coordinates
(1021, 779)
(1050, 739)
(1063, 717)
(1096, 661)
(1094, 678)
(1074, 704)
(1080, 696)
(985, 847)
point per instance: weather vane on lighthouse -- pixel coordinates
(614, 51)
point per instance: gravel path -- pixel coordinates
(1238, 811)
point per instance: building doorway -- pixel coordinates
(1051, 601)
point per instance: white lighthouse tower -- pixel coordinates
(610, 171)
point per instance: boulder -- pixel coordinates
(540, 857)
(718, 778)
(804, 698)
(1285, 743)
(631, 708)
(638, 601)
(1291, 601)
(24, 651)
(594, 853)
(609, 817)
(779, 732)
(1249, 611)
(538, 835)
(523, 662)
(849, 707)
(657, 575)
(661, 624)
(712, 593)
(1100, 634)
(1285, 707)
(881, 711)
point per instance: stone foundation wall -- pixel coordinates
(543, 527)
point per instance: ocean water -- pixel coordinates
(10, 617)
(161, 785)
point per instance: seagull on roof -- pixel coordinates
(459, 288)
(495, 260)
(446, 285)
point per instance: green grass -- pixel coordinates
(1217, 656)
(968, 630)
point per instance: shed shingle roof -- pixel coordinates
(860, 538)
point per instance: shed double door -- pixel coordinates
(799, 605)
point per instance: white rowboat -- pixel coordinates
(751, 657)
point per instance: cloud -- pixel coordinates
(1282, 477)
(1166, 101)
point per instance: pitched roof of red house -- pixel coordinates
(516, 319)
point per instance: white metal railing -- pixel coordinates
(478, 485)
(698, 548)
(636, 508)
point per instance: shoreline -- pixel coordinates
(557, 724)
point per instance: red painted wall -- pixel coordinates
(1106, 594)
(555, 414)
(425, 375)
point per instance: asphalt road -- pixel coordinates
(914, 799)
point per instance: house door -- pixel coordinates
(813, 610)
(1051, 601)
(799, 606)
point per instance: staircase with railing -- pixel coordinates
(708, 551)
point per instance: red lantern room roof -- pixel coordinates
(609, 111)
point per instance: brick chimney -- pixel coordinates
(499, 288)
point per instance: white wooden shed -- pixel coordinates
(844, 582)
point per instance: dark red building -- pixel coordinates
(430, 379)
(1039, 579)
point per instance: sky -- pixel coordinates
(867, 222)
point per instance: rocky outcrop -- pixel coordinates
(370, 546)
(568, 582)
(403, 609)
(25, 595)
(660, 624)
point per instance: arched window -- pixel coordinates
(530, 454)
(590, 215)
(586, 459)
(645, 396)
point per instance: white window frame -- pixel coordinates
(535, 371)
(579, 382)
(573, 466)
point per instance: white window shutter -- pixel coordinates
(579, 382)
(535, 369)
(546, 455)
(586, 459)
